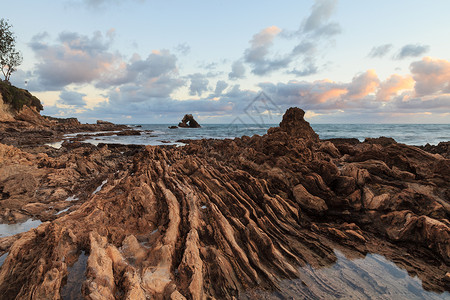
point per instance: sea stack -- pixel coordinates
(189, 122)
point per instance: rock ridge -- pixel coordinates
(218, 218)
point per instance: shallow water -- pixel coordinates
(372, 277)
(61, 211)
(99, 188)
(72, 198)
(3, 258)
(71, 290)
(12, 229)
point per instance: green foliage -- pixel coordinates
(10, 58)
(17, 98)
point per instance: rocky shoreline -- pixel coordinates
(217, 219)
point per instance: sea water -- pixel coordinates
(160, 134)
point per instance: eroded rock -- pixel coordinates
(216, 218)
(188, 121)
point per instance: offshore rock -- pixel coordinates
(217, 218)
(188, 121)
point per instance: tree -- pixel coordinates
(10, 58)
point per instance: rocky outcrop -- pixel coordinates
(23, 126)
(295, 125)
(17, 98)
(188, 121)
(101, 122)
(217, 218)
(6, 115)
(443, 148)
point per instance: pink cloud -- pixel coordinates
(363, 85)
(393, 85)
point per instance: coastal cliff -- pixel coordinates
(220, 219)
(22, 125)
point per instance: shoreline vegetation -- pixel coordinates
(221, 219)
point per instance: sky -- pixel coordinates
(152, 61)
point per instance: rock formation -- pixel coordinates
(23, 126)
(443, 148)
(295, 125)
(188, 122)
(220, 218)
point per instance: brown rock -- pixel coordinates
(294, 124)
(101, 122)
(216, 218)
(308, 201)
(188, 121)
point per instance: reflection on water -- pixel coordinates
(98, 189)
(373, 277)
(12, 229)
(75, 278)
(3, 258)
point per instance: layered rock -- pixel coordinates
(295, 125)
(217, 218)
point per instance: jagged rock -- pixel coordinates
(129, 132)
(188, 121)
(66, 122)
(382, 140)
(216, 218)
(101, 122)
(32, 116)
(173, 127)
(308, 201)
(295, 125)
(443, 148)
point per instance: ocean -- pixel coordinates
(410, 134)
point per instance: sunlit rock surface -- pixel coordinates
(223, 218)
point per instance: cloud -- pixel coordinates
(308, 68)
(380, 51)
(393, 85)
(220, 87)
(183, 48)
(78, 59)
(237, 71)
(72, 98)
(363, 85)
(317, 22)
(411, 50)
(74, 59)
(305, 47)
(199, 84)
(142, 106)
(259, 49)
(366, 98)
(315, 34)
(260, 44)
(432, 76)
(160, 65)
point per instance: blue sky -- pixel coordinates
(145, 61)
